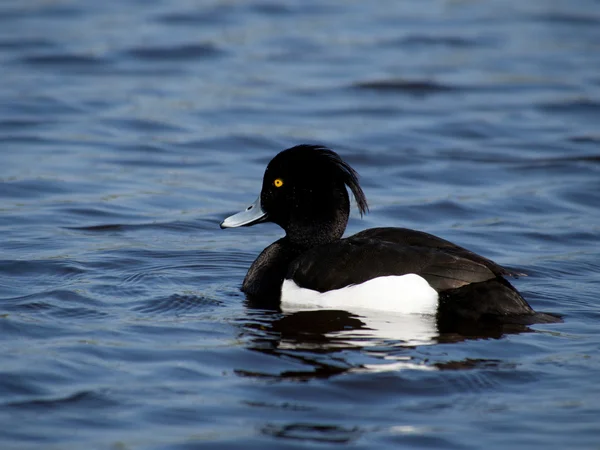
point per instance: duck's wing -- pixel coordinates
(408, 237)
(360, 258)
(471, 287)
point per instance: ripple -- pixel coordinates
(215, 14)
(177, 53)
(589, 138)
(20, 277)
(570, 18)
(20, 124)
(417, 40)
(66, 269)
(33, 188)
(47, 105)
(59, 303)
(144, 125)
(48, 11)
(132, 227)
(413, 87)
(84, 399)
(66, 60)
(176, 304)
(25, 44)
(17, 385)
(313, 432)
(583, 105)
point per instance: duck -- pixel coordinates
(305, 191)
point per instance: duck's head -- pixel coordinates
(304, 192)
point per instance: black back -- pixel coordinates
(390, 251)
(471, 287)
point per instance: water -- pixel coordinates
(130, 129)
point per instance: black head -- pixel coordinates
(304, 192)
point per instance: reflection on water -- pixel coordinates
(328, 341)
(313, 432)
(363, 327)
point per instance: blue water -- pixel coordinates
(130, 129)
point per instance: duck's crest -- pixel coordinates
(337, 165)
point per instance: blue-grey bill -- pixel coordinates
(251, 215)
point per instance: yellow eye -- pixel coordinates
(278, 182)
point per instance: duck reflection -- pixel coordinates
(327, 342)
(355, 328)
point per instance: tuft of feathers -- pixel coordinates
(337, 165)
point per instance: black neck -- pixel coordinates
(266, 274)
(323, 222)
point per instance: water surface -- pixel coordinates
(130, 129)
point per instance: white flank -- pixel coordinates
(404, 294)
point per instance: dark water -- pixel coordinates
(129, 129)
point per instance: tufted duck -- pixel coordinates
(387, 269)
